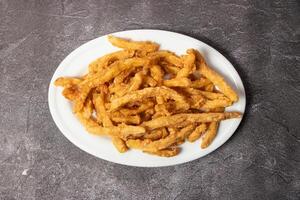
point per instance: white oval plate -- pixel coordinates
(76, 63)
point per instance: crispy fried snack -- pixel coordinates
(170, 121)
(148, 93)
(157, 74)
(153, 146)
(104, 61)
(168, 152)
(177, 82)
(67, 81)
(210, 134)
(103, 117)
(215, 78)
(131, 45)
(196, 134)
(168, 57)
(150, 99)
(200, 83)
(188, 64)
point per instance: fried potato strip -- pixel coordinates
(107, 59)
(133, 45)
(150, 92)
(191, 118)
(177, 82)
(196, 134)
(210, 134)
(168, 152)
(216, 79)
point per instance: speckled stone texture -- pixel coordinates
(261, 160)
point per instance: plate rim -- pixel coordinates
(61, 128)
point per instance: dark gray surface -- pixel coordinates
(261, 160)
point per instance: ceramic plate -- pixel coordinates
(76, 63)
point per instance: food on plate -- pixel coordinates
(210, 134)
(149, 99)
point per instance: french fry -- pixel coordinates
(150, 81)
(67, 81)
(132, 45)
(171, 69)
(216, 103)
(122, 76)
(88, 123)
(148, 114)
(161, 110)
(160, 100)
(208, 95)
(157, 74)
(209, 87)
(200, 83)
(102, 116)
(196, 134)
(197, 102)
(165, 132)
(153, 146)
(210, 134)
(123, 131)
(134, 84)
(131, 119)
(154, 135)
(216, 79)
(186, 131)
(188, 64)
(107, 59)
(191, 118)
(144, 106)
(71, 93)
(167, 56)
(119, 144)
(177, 82)
(168, 152)
(150, 92)
(88, 109)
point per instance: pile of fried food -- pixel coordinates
(150, 99)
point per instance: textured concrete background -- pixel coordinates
(261, 160)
